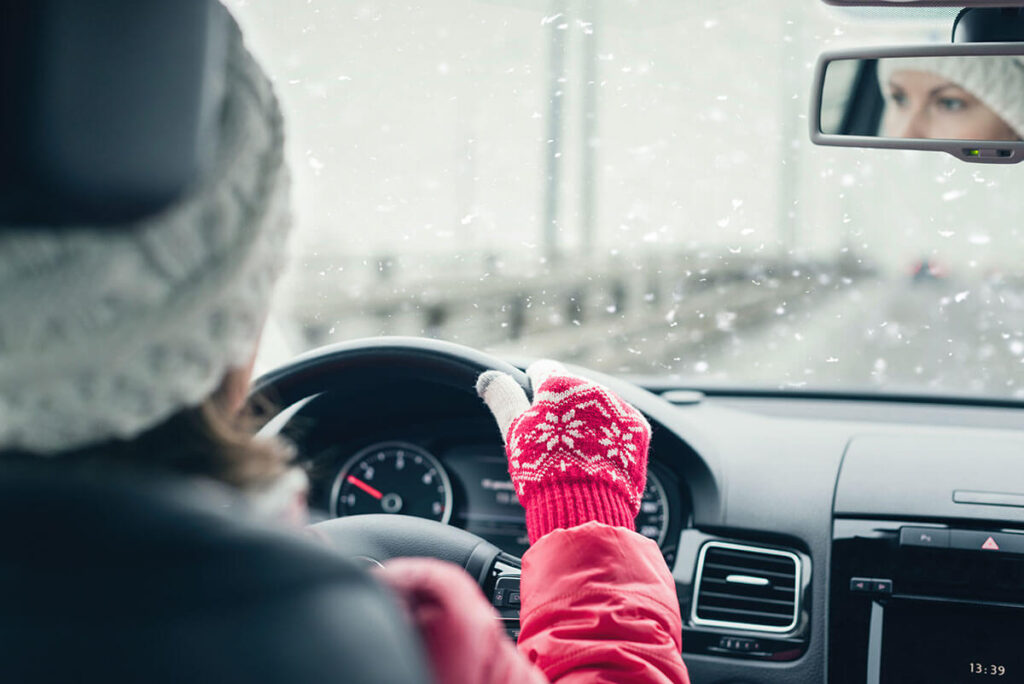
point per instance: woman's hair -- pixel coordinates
(204, 440)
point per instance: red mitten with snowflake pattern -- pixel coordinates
(578, 453)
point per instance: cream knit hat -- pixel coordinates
(996, 80)
(106, 333)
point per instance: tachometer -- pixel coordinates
(652, 521)
(393, 477)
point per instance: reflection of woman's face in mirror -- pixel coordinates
(920, 104)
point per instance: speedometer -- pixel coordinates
(652, 521)
(393, 477)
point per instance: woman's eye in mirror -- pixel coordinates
(898, 97)
(952, 104)
(951, 99)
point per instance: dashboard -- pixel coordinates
(792, 526)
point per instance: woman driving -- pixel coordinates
(125, 356)
(953, 98)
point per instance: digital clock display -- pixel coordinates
(944, 643)
(988, 669)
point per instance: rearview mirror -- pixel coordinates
(967, 100)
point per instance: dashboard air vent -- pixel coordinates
(746, 587)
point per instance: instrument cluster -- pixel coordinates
(468, 486)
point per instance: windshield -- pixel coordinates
(630, 186)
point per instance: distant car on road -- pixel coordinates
(927, 270)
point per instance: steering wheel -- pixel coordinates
(379, 537)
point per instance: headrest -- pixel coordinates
(110, 107)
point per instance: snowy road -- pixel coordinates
(942, 336)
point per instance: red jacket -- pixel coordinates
(599, 605)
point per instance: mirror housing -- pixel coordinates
(989, 25)
(858, 116)
(924, 3)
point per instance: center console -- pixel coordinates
(927, 572)
(935, 604)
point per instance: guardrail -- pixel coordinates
(575, 310)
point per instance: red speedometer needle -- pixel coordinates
(365, 487)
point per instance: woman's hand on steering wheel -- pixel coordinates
(576, 453)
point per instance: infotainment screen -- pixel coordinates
(945, 643)
(492, 509)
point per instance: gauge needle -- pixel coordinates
(365, 487)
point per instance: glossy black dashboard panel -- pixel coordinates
(920, 601)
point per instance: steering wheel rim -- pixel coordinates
(381, 537)
(390, 357)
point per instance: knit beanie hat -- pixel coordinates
(996, 80)
(106, 333)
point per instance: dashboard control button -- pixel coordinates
(870, 585)
(988, 542)
(926, 537)
(739, 644)
(861, 584)
(506, 592)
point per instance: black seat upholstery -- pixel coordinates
(109, 108)
(109, 114)
(122, 579)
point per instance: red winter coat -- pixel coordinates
(599, 605)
